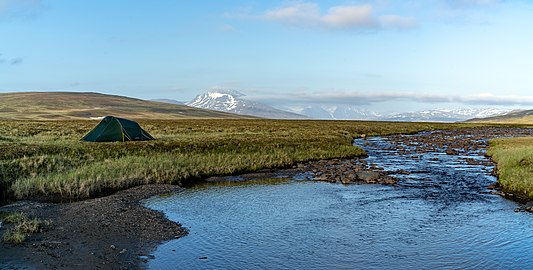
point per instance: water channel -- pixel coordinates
(438, 216)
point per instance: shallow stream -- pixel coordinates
(439, 215)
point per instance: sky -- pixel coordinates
(377, 54)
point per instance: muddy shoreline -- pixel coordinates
(111, 232)
(117, 232)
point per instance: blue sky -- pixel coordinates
(380, 55)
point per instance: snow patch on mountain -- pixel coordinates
(233, 102)
(354, 113)
(447, 115)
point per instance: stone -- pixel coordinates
(388, 180)
(345, 180)
(451, 152)
(492, 186)
(368, 176)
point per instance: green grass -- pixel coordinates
(514, 158)
(46, 158)
(21, 227)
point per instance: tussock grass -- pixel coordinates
(514, 158)
(46, 158)
(13, 237)
(21, 227)
(12, 217)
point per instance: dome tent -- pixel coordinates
(114, 129)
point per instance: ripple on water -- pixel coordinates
(436, 218)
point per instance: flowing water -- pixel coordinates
(439, 216)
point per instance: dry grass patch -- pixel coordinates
(20, 227)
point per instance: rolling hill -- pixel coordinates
(515, 117)
(75, 105)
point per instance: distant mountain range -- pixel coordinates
(437, 115)
(336, 113)
(218, 104)
(232, 101)
(445, 115)
(166, 100)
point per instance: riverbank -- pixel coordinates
(117, 232)
(112, 232)
(514, 158)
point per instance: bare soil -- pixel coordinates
(112, 232)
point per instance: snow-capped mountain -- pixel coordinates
(354, 113)
(446, 115)
(233, 102)
(336, 112)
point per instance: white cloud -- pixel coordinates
(306, 14)
(354, 16)
(491, 99)
(297, 14)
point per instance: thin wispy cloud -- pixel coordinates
(16, 8)
(361, 98)
(17, 5)
(16, 61)
(227, 28)
(11, 61)
(340, 17)
(366, 15)
(472, 3)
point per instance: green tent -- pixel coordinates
(114, 129)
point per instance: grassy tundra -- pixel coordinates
(46, 158)
(514, 158)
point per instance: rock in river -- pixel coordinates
(368, 176)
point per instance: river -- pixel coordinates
(439, 215)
